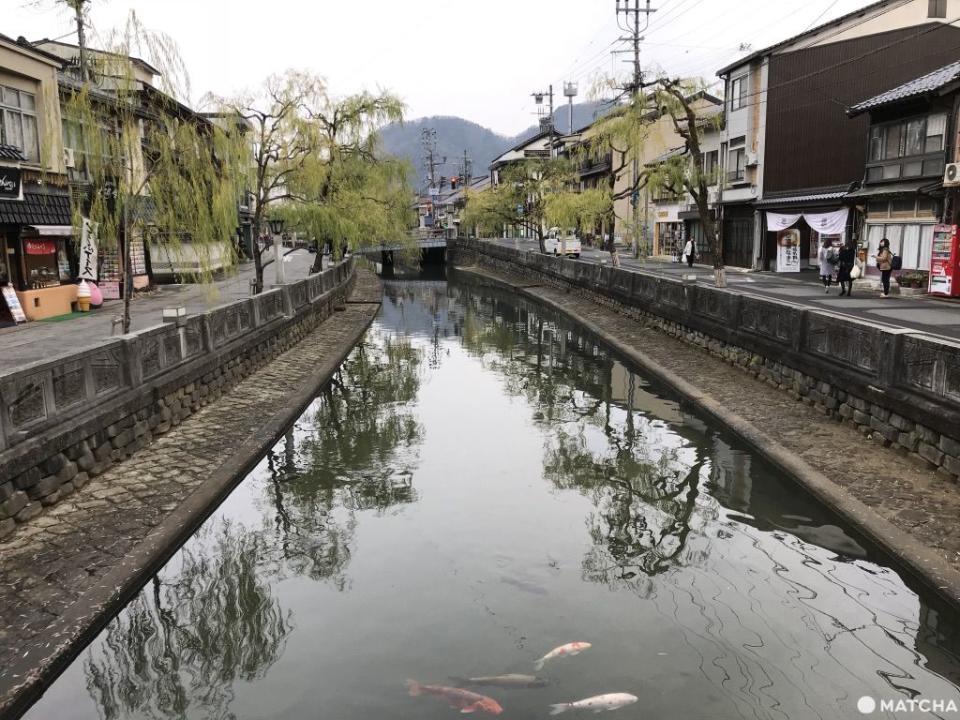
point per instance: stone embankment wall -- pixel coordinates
(67, 419)
(900, 387)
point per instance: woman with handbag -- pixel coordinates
(884, 260)
(826, 260)
(847, 262)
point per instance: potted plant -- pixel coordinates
(913, 282)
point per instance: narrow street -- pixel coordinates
(926, 314)
(31, 341)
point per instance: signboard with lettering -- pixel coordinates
(10, 183)
(88, 250)
(13, 302)
(788, 251)
(40, 247)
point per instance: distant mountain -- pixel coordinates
(454, 135)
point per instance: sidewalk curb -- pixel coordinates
(925, 565)
(93, 611)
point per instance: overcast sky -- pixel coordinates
(477, 59)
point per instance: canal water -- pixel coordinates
(483, 482)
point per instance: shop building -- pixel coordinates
(37, 258)
(789, 144)
(908, 146)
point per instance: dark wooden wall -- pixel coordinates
(811, 143)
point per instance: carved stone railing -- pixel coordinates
(900, 383)
(44, 394)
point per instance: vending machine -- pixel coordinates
(945, 262)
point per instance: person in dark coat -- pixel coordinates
(845, 265)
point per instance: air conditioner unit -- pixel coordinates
(751, 159)
(68, 159)
(951, 175)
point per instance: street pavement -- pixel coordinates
(42, 340)
(924, 314)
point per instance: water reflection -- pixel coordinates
(355, 450)
(480, 482)
(181, 645)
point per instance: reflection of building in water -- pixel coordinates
(627, 391)
(731, 473)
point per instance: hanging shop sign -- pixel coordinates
(788, 251)
(88, 250)
(40, 247)
(10, 183)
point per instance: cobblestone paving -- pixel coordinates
(911, 496)
(48, 564)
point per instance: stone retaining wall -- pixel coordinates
(899, 387)
(65, 420)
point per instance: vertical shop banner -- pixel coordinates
(88, 250)
(788, 251)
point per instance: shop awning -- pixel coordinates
(52, 230)
(906, 188)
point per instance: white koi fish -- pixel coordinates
(571, 649)
(598, 703)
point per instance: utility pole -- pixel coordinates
(465, 169)
(538, 99)
(631, 10)
(428, 138)
(77, 6)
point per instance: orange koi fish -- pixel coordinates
(463, 700)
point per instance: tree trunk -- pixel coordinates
(127, 273)
(317, 262)
(541, 240)
(257, 256)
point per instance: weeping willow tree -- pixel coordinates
(151, 167)
(520, 199)
(349, 193)
(316, 162)
(669, 113)
(589, 210)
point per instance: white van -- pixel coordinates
(562, 241)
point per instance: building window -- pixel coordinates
(19, 126)
(936, 131)
(911, 241)
(710, 161)
(738, 93)
(737, 164)
(937, 9)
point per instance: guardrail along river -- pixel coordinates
(482, 482)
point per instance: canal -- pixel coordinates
(480, 483)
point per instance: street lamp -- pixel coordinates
(276, 229)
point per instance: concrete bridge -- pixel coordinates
(424, 243)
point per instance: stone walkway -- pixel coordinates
(50, 566)
(904, 491)
(33, 341)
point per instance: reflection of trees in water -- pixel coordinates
(355, 451)
(645, 498)
(181, 644)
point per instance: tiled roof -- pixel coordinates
(791, 199)
(807, 33)
(931, 82)
(36, 209)
(9, 152)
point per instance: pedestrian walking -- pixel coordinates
(690, 252)
(884, 260)
(826, 259)
(846, 262)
